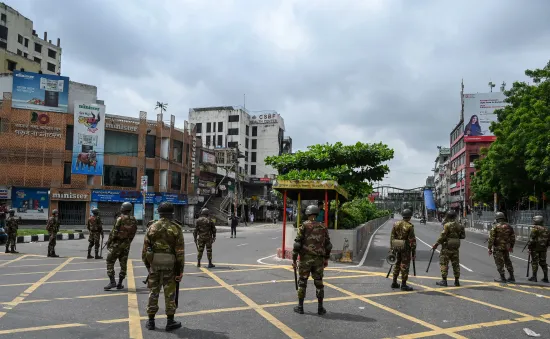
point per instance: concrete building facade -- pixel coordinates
(441, 179)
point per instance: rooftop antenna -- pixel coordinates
(503, 86)
(491, 85)
(244, 96)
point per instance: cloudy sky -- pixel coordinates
(347, 70)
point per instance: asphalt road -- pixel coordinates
(250, 295)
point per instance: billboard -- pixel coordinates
(88, 139)
(30, 203)
(42, 92)
(479, 112)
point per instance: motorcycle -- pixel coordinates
(423, 220)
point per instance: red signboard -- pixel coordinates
(480, 138)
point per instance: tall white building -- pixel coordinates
(256, 134)
(442, 173)
(18, 36)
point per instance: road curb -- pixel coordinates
(46, 237)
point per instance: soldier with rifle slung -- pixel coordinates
(502, 239)
(403, 244)
(164, 257)
(538, 246)
(204, 236)
(449, 240)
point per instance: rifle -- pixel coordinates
(429, 263)
(414, 267)
(389, 271)
(295, 277)
(146, 279)
(177, 289)
(528, 258)
(102, 238)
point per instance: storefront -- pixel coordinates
(30, 203)
(5, 195)
(72, 204)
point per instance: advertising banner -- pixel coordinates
(479, 112)
(30, 203)
(88, 139)
(42, 92)
(138, 211)
(93, 205)
(136, 197)
(208, 158)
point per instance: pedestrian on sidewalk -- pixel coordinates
(234, 224)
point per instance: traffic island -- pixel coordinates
(46, 237)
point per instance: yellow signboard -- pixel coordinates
(309, 185)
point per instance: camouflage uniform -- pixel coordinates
(95, 227)
(450, 244)
(403, 232)
(52, 226)
(501, 241)
(313, 246)
(538, 246)
(119, 243)
(12, 225)
(204, 235)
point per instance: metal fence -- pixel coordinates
(520, 220)
(364, 233)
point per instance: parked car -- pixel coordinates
(3, 236)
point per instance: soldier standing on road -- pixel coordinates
(118, 244)
(450, 244)
(164, 256)
(313, 245)
(12, 224)
(501, 240)
(234, 224)
(538, 245)
(204, 235)
(403, 244)
(95, 227)
(52, 227)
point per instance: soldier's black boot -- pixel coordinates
(198, 263)
(8, 250)
(53, 255)
(502, 279)
(97, 256)
(533, 277)
(90, 254)
(442, 283)
(120, 286)
(405, 287)
(112, 284)
(210, 264)
(511, 277)
(150, 324)
(545, 279)
(394, 284)
(457, 282)
(171, 324)
(320, 309)
(13, 250)
(300, 308)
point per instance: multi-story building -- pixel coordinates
(441, 179)
(74, 157)
(18, 37)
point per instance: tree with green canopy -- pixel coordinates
(516, 165)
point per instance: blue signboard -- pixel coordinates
(30, 203)
(137, 197)
(429, 200)
(42, 92)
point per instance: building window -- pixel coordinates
(12, 65)
(19, 52)
(4, 32)
(232, 144)
(233, 118)
(245, 169)
(198, 127)
(233, 131)
(254, 143)
(150, 146)
(69, 138)
(37, 60)
(37, 47)
(51, 67)
(119, 176)
(51, 53)
(26, 42)
(247, 129)
(253, 170)
(3, 18)
(20, 39)
(26, 55)
(67, 173)
(220, 126)
(208, 127)
(246, 142)
(220, 140)
(176, 181)
(3, 44)
(246, 156)
(177, 150)
(207, 140)
(121, 144)
(150, 173)
(253, 159)
(254, 131)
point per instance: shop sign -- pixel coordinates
(121, 127)
(263, 181)
(5, 193)
(70, 195)
(137, 197)
(270, 118)
(38, 131)
(30, 203)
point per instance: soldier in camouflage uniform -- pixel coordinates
(12, 224)
(95, 227)
(500, 244)
(313, 245)
(538, 246)
(450, 244)
(118, 244)
(164, 256)
(403, 244)
(52, 227)
(204, 235)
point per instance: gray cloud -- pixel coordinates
(354, 70)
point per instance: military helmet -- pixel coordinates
(312, 209)
(165, 207)
(205, 211)
(538, 220)
(55, 212)
(451, 214)
(407, 206)
(407, 213)
(95, 211)
(11, 211)
(126, 207)
(500, 216)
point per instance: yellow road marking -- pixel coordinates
(521, 291)
(237, 265)
(40, 328)
(133, 307)
(545, 316)
(36, 285)
(12, 261)
(268, 316)
(42, 272)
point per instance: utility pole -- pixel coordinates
(237, 180)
